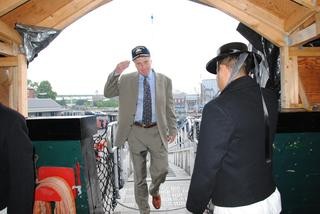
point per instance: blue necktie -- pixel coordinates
(147, 107)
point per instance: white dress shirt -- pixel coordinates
(270, 205)
(151, 78)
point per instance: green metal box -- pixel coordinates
(296, 162)
(68, 142)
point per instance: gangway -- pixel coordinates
(116, 175)
(173, 194)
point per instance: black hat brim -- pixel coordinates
(211, 66)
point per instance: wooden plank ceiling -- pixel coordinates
(284, 22)
(46, 13)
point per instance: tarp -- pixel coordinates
(270, 52)
(35, 39)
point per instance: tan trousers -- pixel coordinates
(141, 141)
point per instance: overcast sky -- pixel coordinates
(182, 37)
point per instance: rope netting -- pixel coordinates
(106, 171)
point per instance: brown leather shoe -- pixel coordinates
(156, 201)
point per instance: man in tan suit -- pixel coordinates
(146, 120)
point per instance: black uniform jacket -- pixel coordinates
(230, 166)
(16, 163)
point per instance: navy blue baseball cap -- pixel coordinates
(140, 51)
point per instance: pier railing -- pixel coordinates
(182, 151)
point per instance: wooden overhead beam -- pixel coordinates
(252, 10)
(304, 51)
(8, 61)
(199, 2)
(4, 76)
(269, 28)
(303, 36)
(33, 12)
(297, 19)
(311, 4)
(9, 34)
(8, 5)
(5, 49)
(52, 14)
(69, 13)
(8, 49)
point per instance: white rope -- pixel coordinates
(59, 185)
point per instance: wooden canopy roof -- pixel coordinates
(287, 23)
(284, 22)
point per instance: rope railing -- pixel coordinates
(106, 159)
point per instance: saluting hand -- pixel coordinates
(121, 66)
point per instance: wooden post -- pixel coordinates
(5, 82)
(294, 91)
(289, 80)
(303, 96)
(18, 90)
(22, 89)
(13, 70)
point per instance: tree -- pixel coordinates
(44, 90)
(62, 102)
(33, 85)
(80, 102)
(107, 103)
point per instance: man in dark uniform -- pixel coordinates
(233, 161)
(16, 163)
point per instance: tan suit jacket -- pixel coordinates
(126, 87)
